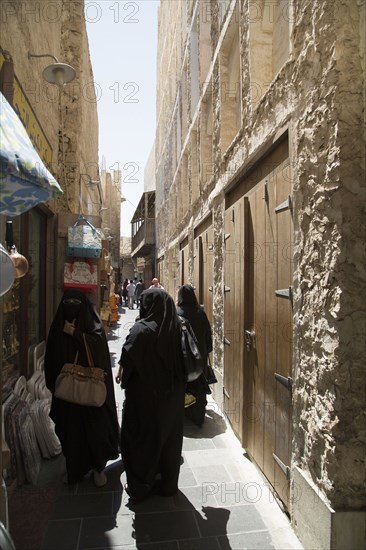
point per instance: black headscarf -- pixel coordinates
(158, 311)
(187, 296)
(189, 308)
(152, 348)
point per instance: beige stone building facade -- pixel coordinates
(110, 212)
(62, 123)
(260, 195)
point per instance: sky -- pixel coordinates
(123, 41)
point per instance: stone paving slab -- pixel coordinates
(224, 503)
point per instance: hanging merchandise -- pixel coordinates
(80, 274)
(113, 303)
(7, 271)
(20, 263)
(24, 179)
(104, 265)
(84, 240)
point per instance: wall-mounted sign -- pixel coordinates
(140, 262)
(30, 121)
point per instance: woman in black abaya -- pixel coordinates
(189, 308)
(88, 435)
(153, 411)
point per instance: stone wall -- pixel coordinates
(318, 96)
(57, 28)
(329, 195)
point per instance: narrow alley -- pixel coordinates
(218, 144)
(223, 503)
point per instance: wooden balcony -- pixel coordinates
(143, 226)
(144, 240)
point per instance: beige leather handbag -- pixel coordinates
(81, 385)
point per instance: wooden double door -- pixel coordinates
(258, 317)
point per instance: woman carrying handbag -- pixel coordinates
(88, 434)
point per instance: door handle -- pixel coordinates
(249, 339)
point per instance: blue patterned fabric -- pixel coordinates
(84, 241)
(24, 179)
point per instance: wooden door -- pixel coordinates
(184, 266)
(233, 316)
(207, 271)
(257, 317)
(197, 268)
(267, 332)
(283, 365)
(160, 271)
(203, 255)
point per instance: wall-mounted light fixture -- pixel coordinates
(92, 183)
(56, 73)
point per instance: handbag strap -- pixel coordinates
(88, 354)
(81, 219)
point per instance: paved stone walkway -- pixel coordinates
(223, 502)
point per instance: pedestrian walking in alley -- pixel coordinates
(152, 375)
(88, 435)
(155, 284)
(189, 308)
(124, 291)
(131, 289)
(140, 287)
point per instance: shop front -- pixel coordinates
(27, 229)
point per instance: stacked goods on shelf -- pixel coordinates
(113, 302)
(28, 429)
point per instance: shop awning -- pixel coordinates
(24, 179)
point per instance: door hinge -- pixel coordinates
(227, 236)
(284, 293)
(285, 205)
(224, 391)
(287, 382)
(227, 342)
(227, 289)
(284, 468)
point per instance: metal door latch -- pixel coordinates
(249, 339)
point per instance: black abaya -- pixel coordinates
(153, 412)
(88, 435)
(189, 308)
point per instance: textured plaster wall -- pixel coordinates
(56, 28)
(318, 94)
(329, 192)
